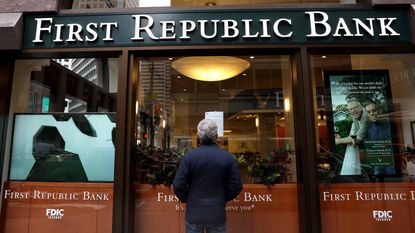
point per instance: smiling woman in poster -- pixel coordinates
(358, 131)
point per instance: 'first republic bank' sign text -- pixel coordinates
(217, 27)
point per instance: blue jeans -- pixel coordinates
(210, 228)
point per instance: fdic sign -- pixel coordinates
(218, 27)
(382, 215)
(55, 213)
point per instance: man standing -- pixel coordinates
(351, 163)
(207, 178)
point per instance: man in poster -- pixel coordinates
(358, 131)
(367, 142)
(379, 135)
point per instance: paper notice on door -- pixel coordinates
(218, 118)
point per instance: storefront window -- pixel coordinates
(365, 130)
(62, 144)
(254, 112)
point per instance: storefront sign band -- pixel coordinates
(217, 27)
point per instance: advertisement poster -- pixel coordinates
(361, 126)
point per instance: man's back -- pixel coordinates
(207, 178)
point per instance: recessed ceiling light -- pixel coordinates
(179, 77)
(323, 56)
(223, 89)
(210, 68)
(170, 58)
(244, 74)
(184, 89)
(252, 57)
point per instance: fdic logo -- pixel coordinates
(54, 213)
(382, 215)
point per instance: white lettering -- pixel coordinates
(257, 198)
(359, 24)
(58, 33)
(314, 23)
(203, 28)
(95, 196)
(74, 30)
(341, 25)
(247, 23)
(37, 194)
(265, 33)
(55, 213)
(276, 28)
(187, 26)
(361, 196)
(166, 198)
(167, 27)
(386, 27)
(108, 27)
(229, 26)
(138, 28)
(92, 32)
(327, 196)
(39, 28)
(8, 194)
(159, 196)
(382, 215)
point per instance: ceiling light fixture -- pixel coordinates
(210, 68)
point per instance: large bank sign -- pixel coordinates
(217, 28)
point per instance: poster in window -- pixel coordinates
(360, 124)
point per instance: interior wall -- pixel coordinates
(402, 78)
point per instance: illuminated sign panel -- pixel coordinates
(217, 27)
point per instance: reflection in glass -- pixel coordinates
(370, 92)
(52, 144)
(254, 108)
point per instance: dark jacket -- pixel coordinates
(207, 178)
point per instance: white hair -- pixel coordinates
(207, 130)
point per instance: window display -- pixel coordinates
(366, 151)
(63, 147)
(254, 112)
(359, 121)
